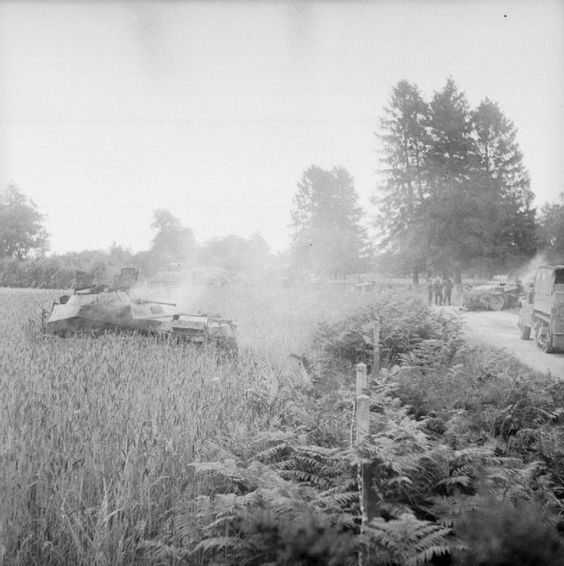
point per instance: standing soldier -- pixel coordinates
(430, 289)
(438, 290)
(447, 289)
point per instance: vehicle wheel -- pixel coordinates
(544, 340)
(525, 330)
(496, 302)
(546, 344)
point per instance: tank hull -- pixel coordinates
(85, 312)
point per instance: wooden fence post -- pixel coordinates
(369, 472)
(362, 406)
(366, 472)
(376, 354)
(362, 424)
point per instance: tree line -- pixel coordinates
(454, 186)
(453, 193)
(24, 263)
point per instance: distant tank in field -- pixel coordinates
(498, 294)
(92, 308)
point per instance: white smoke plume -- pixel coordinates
(176, 287)
(527, 271)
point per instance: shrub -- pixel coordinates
(501, 534)
(410, 332)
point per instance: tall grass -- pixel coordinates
(98, 434)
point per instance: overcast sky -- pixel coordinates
(110, 110)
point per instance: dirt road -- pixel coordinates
(499, 329)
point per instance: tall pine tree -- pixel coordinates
(404, 187)
(502, 171)
(454, 188)
(455, 209)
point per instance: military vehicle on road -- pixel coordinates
(542, 309)
(496, 295)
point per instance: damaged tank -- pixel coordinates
(92, 308)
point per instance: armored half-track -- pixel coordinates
(542, 309)
(92, 308)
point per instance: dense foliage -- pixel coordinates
(119, 450)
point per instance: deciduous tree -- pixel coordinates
(21, 225)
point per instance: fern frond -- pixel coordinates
(348, 521)
(430, 470)
(289, 464)
(454, 481)
(307, 462)
(398, 481)
(215, 545)
(342, 500)
(344, 486)
(319, 451)
(273, 453)
(449, 509)
(302, 477)
(160, 552)
(425, 556)
(428, 536)
(475, 453)
(221, 522)
(227, 469)
(408, 540)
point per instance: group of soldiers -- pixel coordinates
(440, 290)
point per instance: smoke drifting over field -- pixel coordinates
(184, 293)
(187, 296)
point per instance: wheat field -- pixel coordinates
(98, 434)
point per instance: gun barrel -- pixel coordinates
(146, 301)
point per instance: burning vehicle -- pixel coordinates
(93, 308)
